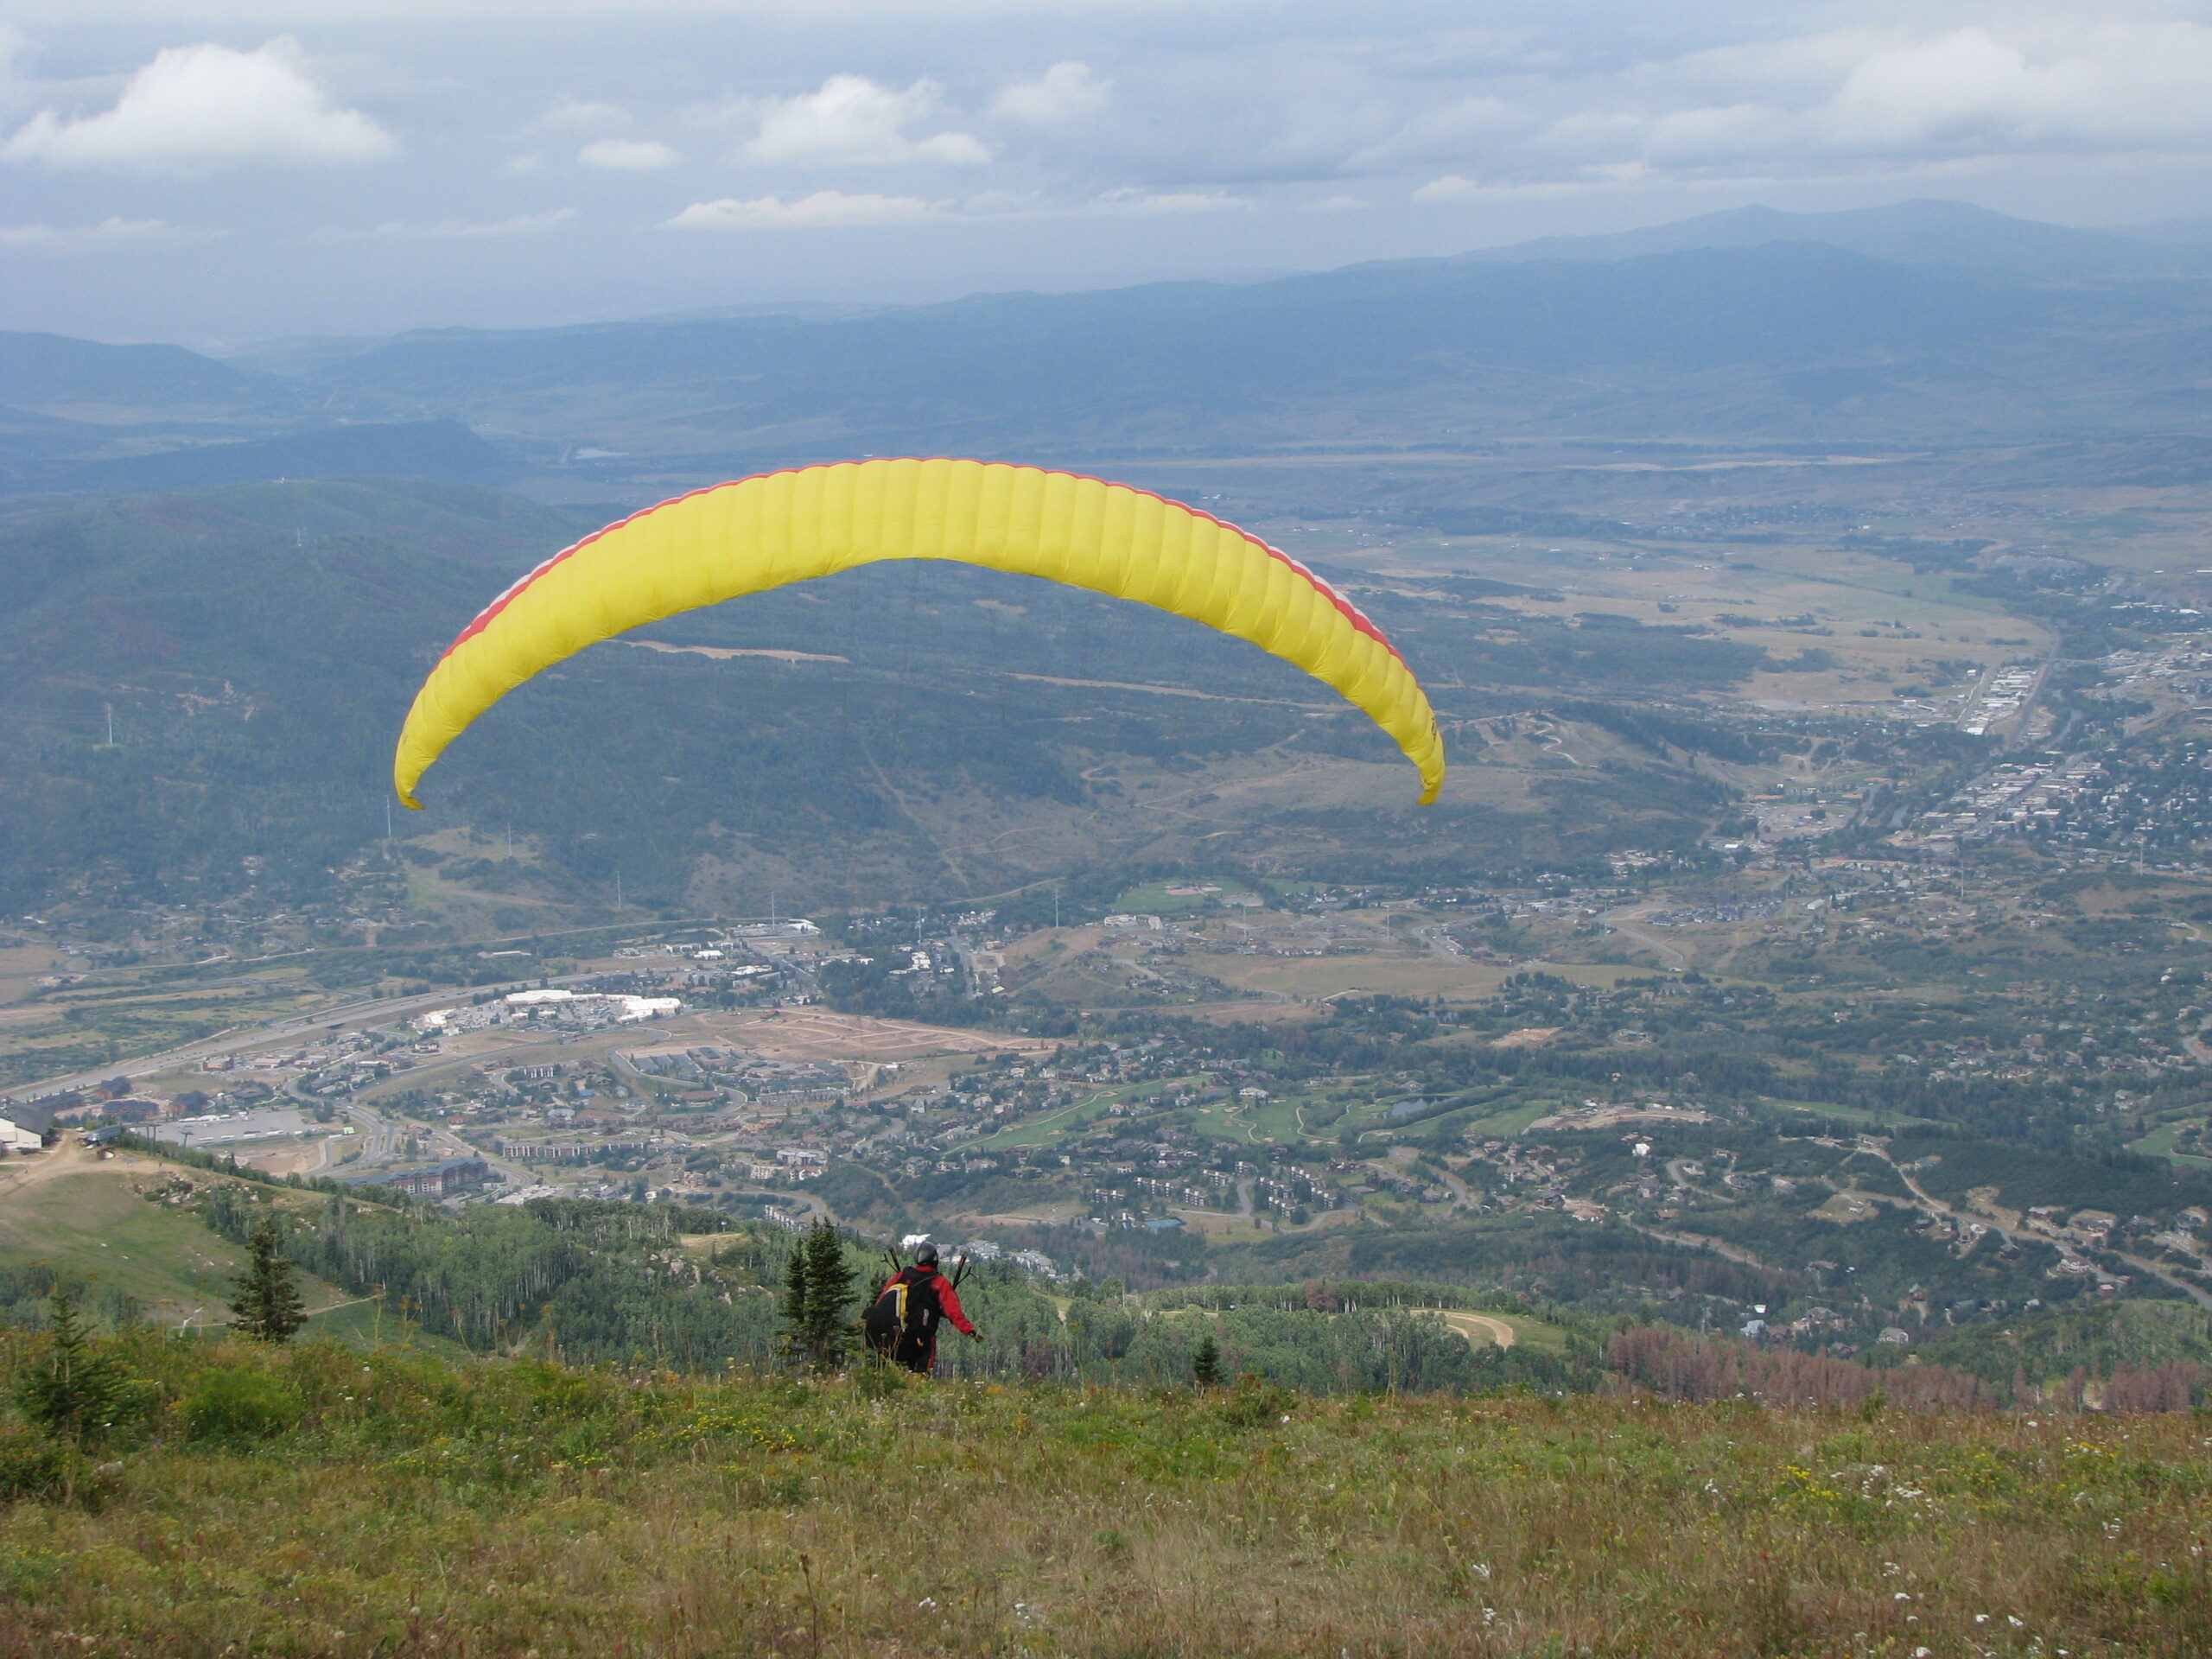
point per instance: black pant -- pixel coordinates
(916, 1353)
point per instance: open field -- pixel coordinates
(358, 1323)
(501, 1510)
(1482, 1329)
(1856, 1114)
(2159, 1143)
(1312, 978)
(87, 1216)
(818, 1034)
(1167, 897)
(1510, 1124)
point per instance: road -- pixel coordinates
(1618, 920)
(1440, 944)
(1462, 1197)
(1934, 1206)
(1675, 1174)
(366, 1015)
(1698, 1241)
(2019, 735)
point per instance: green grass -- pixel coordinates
(1153, 898)
(1245, 1122)
(1537, 1336)
(413, 1508)
(93, 1223)
(1531, 1332)
(2159, 1143)
(1049, 1127)
(1503, 1125)
(1854, 1114)
(1046, 1127)
(359, 1325)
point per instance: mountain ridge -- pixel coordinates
(1711, 327)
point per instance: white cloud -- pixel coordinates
(1063, 93)
(574, 114)
(853, 120)
(112, 232)
(2117, 83)
(2037, 85)
(1452, 186)
(462, 229)
(628, 154)
(823, 208)
(1463, 126)
(197, 106)
(1131, 200)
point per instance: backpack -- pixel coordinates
(904, 1315)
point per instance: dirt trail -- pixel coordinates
(1473, 1327)
(66, 1157)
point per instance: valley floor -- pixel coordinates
(525, 1509)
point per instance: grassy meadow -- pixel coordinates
(393, 1504)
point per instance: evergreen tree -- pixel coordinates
(75, 1389)
(824, 1325)
(1205, 1364)
(268, 1306)
(793, 1313)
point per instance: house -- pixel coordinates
(25, 1128)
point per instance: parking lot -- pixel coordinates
(231, 1129)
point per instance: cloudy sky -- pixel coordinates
(239, 169)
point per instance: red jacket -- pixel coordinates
(948, 1299)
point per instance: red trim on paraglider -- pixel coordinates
(1351, 612)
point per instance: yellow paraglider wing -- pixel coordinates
(786, 527)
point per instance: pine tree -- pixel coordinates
(1205, 1364)
(829, 1290)
(268, 1306)
(793, 1313)
(75, 1389)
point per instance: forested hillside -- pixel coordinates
(868, 737)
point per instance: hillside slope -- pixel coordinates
(397, 1506)
(891, 732)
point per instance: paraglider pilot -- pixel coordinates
(902, 1325)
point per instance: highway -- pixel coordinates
(367, 1015)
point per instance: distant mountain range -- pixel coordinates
(1928, 323)
(1951, 235)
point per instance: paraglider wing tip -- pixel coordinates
(1432, 787)
(410, 802)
